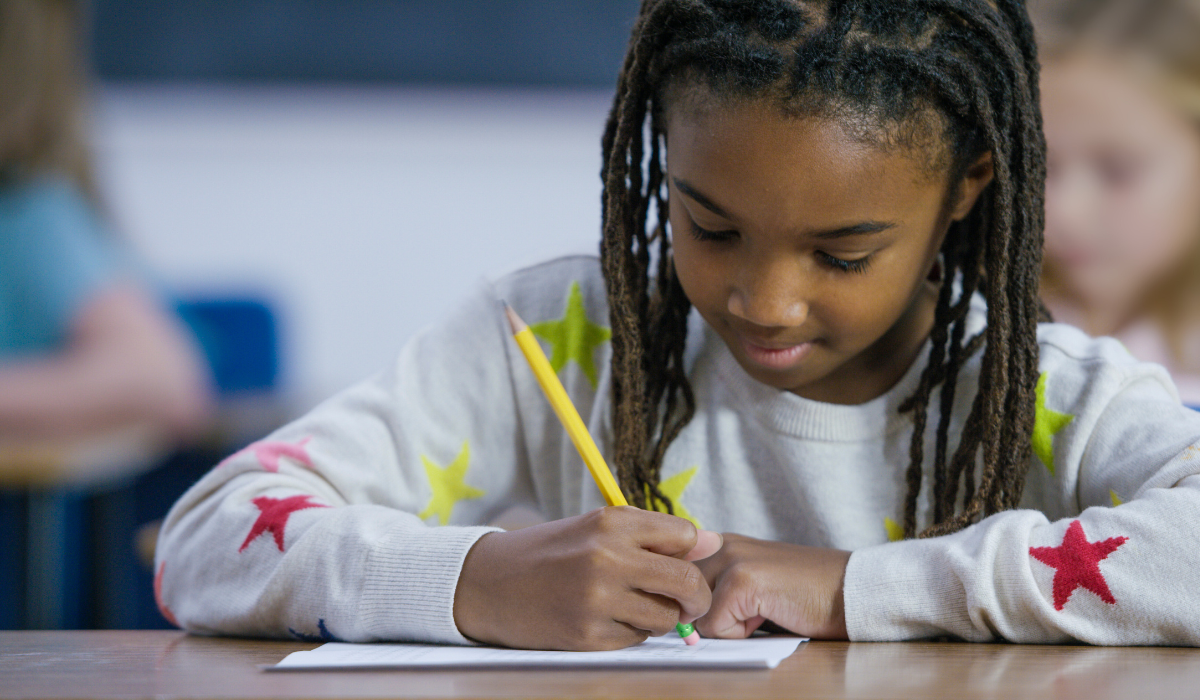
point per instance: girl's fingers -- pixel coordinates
(708, 543)
(655, 614)
(618, 634)
(661, 533)
(678, 580)
(734, 614)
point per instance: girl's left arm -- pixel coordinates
(1107, 557)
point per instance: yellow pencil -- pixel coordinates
(561, 403)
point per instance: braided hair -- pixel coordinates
(881, 69)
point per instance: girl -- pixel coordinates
(822, 232)
(84, 347)
(1121, 95)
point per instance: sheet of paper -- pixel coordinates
(662, 652)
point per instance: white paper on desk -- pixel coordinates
(662, 652)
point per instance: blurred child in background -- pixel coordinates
(1121, 102)
(84, 345)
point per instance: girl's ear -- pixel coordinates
(977, 178)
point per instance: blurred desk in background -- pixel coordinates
(83, 462)
(162, 664)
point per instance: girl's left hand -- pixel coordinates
(752, 581)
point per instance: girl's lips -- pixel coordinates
(776, 358)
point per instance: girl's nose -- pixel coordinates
(769, 298)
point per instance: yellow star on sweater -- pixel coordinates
(573, 336)
(1046, 424)
(448, 486)
(895, 531)
(673, 489)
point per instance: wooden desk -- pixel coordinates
(146, 664)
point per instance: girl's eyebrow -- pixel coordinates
(705, 202)
(865, 227)
(857, 229)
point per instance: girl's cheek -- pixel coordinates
(700, 276)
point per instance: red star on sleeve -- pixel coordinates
(1077, 564)
(274, 516)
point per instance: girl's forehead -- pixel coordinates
(921, 139)
(757, 138)
(761, 163)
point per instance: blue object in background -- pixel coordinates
(240, 340)
(12, 551)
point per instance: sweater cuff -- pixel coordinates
(898, 591)
(410, 582)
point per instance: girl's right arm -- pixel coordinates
(322, 530)
(360, 521)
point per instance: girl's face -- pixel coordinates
(808, 253)
(1123, 184)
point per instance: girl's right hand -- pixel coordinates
(607, 579)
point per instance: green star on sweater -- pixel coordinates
(573, 336)
(1046, 424)
(673, 488)
(448, 485)
(894, 530)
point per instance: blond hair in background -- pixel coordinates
(1158, 43)
(41, 92)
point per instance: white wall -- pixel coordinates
(363, 213)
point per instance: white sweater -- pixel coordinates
(353, 522)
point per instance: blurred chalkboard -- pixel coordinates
(533, 42)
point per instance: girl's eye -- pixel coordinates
(703, 234)
(859, 265)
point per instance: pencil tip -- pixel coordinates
(514, 321)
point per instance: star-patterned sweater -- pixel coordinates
(353, 522)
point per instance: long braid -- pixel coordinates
(625, 258)
(878, 67)
(1008, 374)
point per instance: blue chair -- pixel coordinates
(240, 340)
